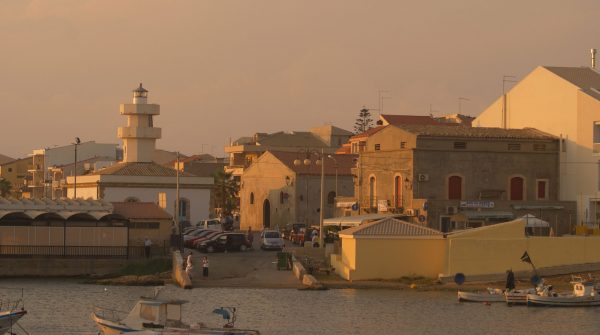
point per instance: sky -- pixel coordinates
(224, 69)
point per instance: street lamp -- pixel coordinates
(77, 142)
(319, 161)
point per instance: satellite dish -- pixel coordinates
(459, 278)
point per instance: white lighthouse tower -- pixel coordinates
(139, 136)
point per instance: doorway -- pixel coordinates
(266, 214)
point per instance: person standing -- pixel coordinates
(189, 265)
(510, 280)
(250, 236)
(205, 266)
(147, 246)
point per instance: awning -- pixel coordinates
(554, 207)
(533, 222)
(482, 215)
(357, 220)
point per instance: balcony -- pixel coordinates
(141, 109)
(134, 132)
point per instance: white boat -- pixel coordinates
(492, 295)
(584, 295)
(11, 311)
(156, 316)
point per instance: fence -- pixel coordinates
(11, 251)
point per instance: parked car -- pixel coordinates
(188, 240)
(196, 242)
(213, 224)
(271, 239)
(192, 234)
(225, 242)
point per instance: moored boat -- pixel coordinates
(11, 311)
(157, 316)
(492, 295)
(584, 295)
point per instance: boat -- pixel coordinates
(158, 316)
(10, 313)
(584, 294)
(492, 295)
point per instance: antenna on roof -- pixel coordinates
(593, 51)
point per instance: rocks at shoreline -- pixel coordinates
(158, 279)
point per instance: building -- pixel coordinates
(146, 220)
(17, 173)
(138, 178)
(45, 162)
(275, 192)
(246, 150)
(564, 102)
(5, 159)
(460, 177)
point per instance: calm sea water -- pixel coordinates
(64, 306)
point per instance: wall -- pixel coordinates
(56, 267)
(55, 236)
(160, 236)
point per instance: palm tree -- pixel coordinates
(5, 187)
(226, 191)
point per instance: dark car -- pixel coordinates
(196, 243)
(225, 242)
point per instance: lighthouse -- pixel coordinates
(139, 136)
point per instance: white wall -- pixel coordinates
(199, 198)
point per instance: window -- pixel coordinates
(402, 145)
(331, 198)
(184, 209)
(516, 188)
(9, 169)
(539, 147)
(251, 198)
(398, 191)
(542, 189)
(372, 199)
(162, 200)
(132, 199)
(454, 188)
(377, 146)
(460, 145)
(514, 146)
(144, 225)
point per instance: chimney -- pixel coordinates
(593, 51)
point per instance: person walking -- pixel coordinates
(205, 266)
(189, 265)
(250, 236)
(147, 246)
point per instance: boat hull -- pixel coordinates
(479, 297)
(563, 301)
(9, 318)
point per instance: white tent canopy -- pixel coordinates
(533, 222)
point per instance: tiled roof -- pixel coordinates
(390, 227)
(140, 210)
(408, 119)
(477, 132)
(344, 163)
(295, 139)
(141, 169)
(583, 77)
(5, 159)
(367, 133)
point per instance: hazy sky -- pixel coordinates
(224, 69)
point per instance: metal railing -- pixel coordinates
(10, 251)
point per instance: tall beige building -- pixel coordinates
(565, 102)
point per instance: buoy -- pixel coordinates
(413, 285)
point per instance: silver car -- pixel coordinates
(271, 240)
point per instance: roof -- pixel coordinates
(294, 139)
(140, 210)
(477, 132)
(583, 77)
(391, 227)
(357, 220)
(333, 130)
(408, 119)
(5, 159)
(367, 133)
(140, 169)
(344, 163)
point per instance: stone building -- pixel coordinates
(564, 102)
(453, 177)
(275, 191)
(16, 172)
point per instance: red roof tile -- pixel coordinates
(140, 210)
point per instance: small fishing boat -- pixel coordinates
(584, 295)
(491, 295)
(157, 316)
(10, 313)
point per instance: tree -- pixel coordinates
(363, 122)
(226, 191)
(5, 187)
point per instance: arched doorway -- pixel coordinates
(266, 214)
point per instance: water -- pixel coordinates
(64, 306)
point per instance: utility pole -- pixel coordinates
(505, 79)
